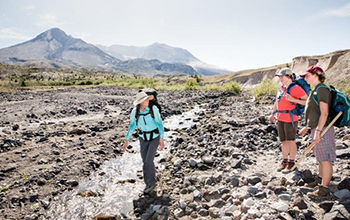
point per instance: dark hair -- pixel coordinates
(321, 76)
(137, 112)
(292, 77)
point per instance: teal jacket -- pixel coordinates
(146, 123)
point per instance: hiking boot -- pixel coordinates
(288, 168)
(149, 189)
(320, 191)
(282, 166)
(317, 181)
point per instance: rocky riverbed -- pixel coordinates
(221, 167)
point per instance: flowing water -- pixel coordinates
(114, 187)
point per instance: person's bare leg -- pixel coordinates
(285, 150)
(327, 172)
(319, 169)
(292, 149)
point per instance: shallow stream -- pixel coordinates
(113, 188)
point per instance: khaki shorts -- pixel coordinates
(286, 131)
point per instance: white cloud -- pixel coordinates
(340, 12)
(81, 35)
(162, 22)
(48, 20)
(12, 34)
(29, 8)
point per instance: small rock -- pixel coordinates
(280, 206)
(254, 213)
(41, 181)
(203, 212)
(344, 184)
(15, 127)
(73, 183)
(326, 205)
(45, 203)
(197, 194)
(254, 180)
(300, 203)
(81, 112)
(342, 194)
(33, 197)
(182, 204)
(43, 161)
(208, 160)
(284, 197)
(253, 190)
(193, 162)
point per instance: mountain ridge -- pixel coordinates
(54, 48)
(163, 53)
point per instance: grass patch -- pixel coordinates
(24, 175)
(17, 77)
(4, 188)
(35, 206)
(229, 87)
(344, 87)
(265, 88)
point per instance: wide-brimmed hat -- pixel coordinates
(313, 69)
(284, 72)
(140, 97)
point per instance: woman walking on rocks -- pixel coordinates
(316, 115)
(151, 134)
(287, 123)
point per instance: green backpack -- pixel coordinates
(340, 103)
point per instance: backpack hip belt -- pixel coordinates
(144, 133)
(286, 111)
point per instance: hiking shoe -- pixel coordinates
(317, 181)
(288, 168)
(282, 166)
(149, 189)
(320, 191)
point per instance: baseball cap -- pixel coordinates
(284, 72)
(312, 69)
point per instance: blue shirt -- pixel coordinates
(146, 123)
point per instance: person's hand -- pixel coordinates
(161, 144)
(290, 98)
(272, 117)
(303, 131)
(317, 137)
(125, 145)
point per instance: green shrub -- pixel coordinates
(191, 85)
(267, 87)
(4, 188)
(233, 87)
(210, 87)
(344, 87)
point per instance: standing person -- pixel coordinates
(151, 134)
(316, 115)
(287, 123)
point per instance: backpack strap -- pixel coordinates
(144, 133)
(280, 96)
(286, 111)
(314, 96)
(290, 87)
(279, 99)
(138, 114)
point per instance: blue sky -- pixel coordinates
(232, 34)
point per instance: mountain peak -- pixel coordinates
(53, 34)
